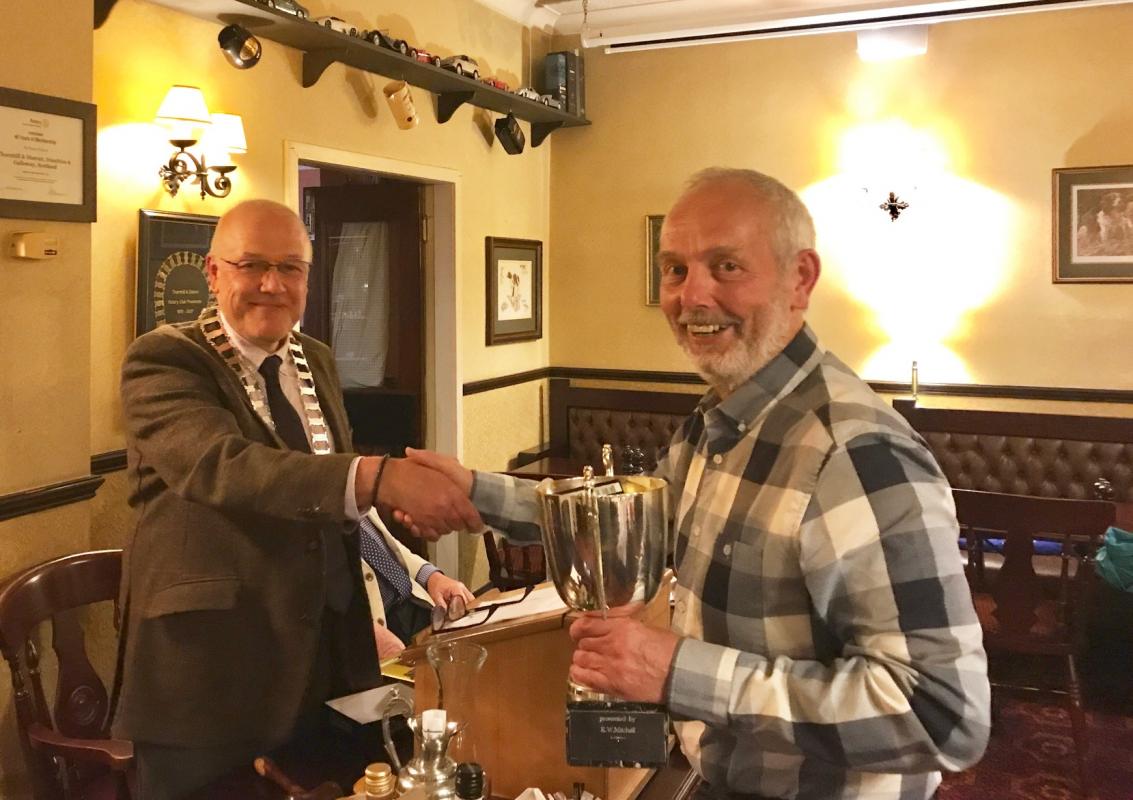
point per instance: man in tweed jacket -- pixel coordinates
(242, 599)
(823, 641)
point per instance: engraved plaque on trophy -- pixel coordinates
(605, 541)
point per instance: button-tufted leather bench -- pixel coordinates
(582, 420)
(1045, 455)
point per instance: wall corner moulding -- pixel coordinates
(322, 46)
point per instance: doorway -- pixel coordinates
(366, 298)
(439, 187)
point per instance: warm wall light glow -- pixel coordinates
(923, 275)
(889, 44)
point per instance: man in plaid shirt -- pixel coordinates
(823, 642)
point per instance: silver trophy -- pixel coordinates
(605, 539)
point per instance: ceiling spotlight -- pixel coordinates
(241, 48)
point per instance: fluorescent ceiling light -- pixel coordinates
(888, 44)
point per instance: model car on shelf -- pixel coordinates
(425, 57)
(496, 82)
(336, 24)
(528, 93)
(287, 7)
(551, 100)
(462, 65)
(383, 39)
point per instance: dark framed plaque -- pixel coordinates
(172, 285)
(47, 157)
(515, 290)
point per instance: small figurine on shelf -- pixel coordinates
(287, 7)
(383, 39)
(462, 65)
(336, 24)
(425, 57)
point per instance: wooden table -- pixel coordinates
(340, 751)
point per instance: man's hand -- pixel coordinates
(434, 504)
(388, 644)
(622, 656)
(442, 589)
(450, 468)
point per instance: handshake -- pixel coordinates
(427, 492)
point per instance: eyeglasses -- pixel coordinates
(457, 610)
(289, 269)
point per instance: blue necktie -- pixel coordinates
(390, 572)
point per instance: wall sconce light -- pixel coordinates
(888, 44)
(184, 113)
(241, 48)
(894, 205)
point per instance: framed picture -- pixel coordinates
(47, 157)
(652, 268)
(172, 286)
(1093, 225)
(515, 289)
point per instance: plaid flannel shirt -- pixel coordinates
(830, 648)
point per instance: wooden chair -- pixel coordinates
(67, 747)
(513, 566)
(1022, 612)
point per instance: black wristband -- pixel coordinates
(378, 482)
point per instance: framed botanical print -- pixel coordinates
(515, 290)
(171, 285)
(1093, 225)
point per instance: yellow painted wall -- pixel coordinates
(44, 335)
(964, 277)
(143, 49)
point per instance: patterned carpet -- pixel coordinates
(1031, 755)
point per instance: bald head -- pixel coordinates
(257, 270)
(259, 214)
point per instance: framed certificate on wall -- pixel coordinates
(171, 285)
(47, 157)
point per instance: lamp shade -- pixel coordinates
(228, 130)
(183, 104)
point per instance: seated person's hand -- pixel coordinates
(388, 644)
(442, 589)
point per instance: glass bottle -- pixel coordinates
(457, 665)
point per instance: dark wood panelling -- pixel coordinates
(113, 461)
(1063, 394)
(1015, 423)
(489, 384)
(58, 494)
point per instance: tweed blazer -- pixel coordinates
(223, 581)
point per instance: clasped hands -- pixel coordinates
(428, 492)
(618, 655)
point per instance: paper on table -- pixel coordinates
(365, 707)
(543, 599)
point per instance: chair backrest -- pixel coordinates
(513, 566)
(1026, 615)
(53, 591)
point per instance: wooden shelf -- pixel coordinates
(322, 47)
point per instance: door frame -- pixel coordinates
(444, 407)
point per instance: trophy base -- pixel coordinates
(616, 733)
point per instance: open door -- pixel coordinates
(366, 301)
